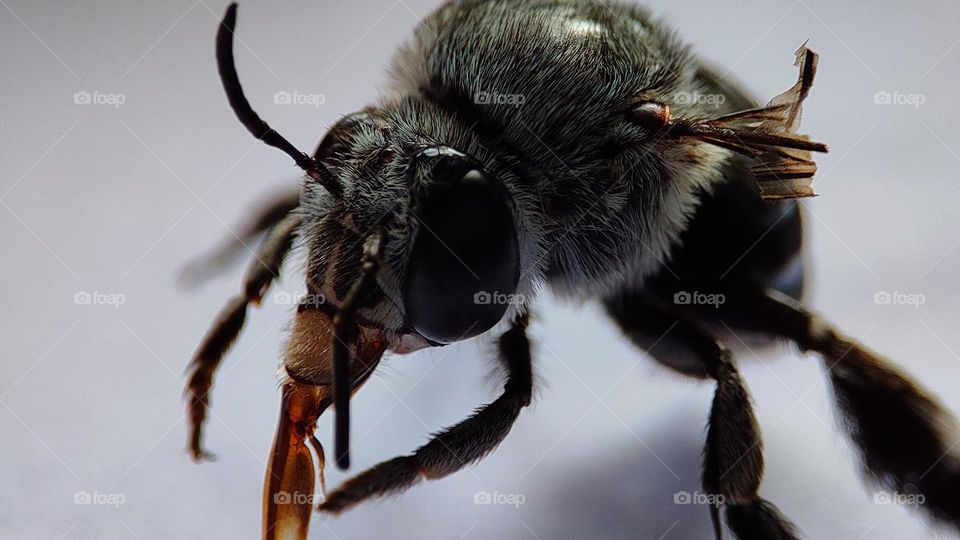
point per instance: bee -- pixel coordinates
(527, 144)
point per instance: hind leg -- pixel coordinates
(907, 441)
(733, 454)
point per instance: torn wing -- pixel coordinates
(783, 167)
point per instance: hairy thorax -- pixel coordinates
(548, 86)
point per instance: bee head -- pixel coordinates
(451, 263)
(444, 227)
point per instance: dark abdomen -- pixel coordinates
(737, 242)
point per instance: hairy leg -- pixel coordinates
(267, 215)
(907, 441)
(457, 446)
(733, 454)
(261, 273)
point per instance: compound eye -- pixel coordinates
(652, 116)
(464, 263)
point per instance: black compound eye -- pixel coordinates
(464, 263)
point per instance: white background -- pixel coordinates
(116, 199)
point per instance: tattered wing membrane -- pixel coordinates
(783, 167)
(785, 177)
(781, 172)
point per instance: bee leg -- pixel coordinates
(266, 216)
(263, 269)
(733, 454)
(906, 439)
(457, 446)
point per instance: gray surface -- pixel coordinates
(97, 198)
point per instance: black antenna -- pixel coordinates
(345, 337)
(250, 119)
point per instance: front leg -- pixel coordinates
(733, 455)
(260, 275)
(457, 446)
